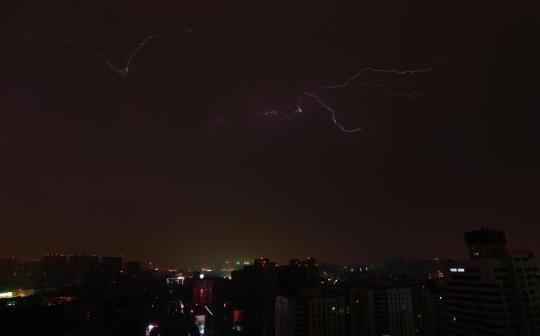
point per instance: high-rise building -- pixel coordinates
(496, 292)
(394, 311)
(27, 274)
(389, 307)
(81, 270)
(110, 270)
(361, 318)
(433, 313)
(255, 289)
(203, 292)
(297, 275)
(485, 244)
(53, 270)
(8, 268)
(309, 314)
(112, 266)
(133, 267)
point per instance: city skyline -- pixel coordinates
(491, 291)
(219, 265)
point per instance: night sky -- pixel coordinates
(200, 152)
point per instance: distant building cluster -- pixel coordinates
(60, 270)
(493, 292)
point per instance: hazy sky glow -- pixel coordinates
(209, 148)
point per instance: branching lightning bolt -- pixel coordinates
(394, 71)
(332, 111)
(378, 85)
(333, 114)
(124, 69)
(391, 91)
(324, 105)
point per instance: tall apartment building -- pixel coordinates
(255, 289)
(310, 314)
(394, 311)
(386, 310)
(496, 292)
(361, 319)
(433, 315)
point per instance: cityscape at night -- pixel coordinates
(269, 168)
(492, 291)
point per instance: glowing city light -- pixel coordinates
(6, 295)
(150, 327)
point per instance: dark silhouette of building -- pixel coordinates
(110, 269)
(255, 288)
(112, 265)
(361, 318)
(496, 292)
(27, 274)
(434, 317)
(203, 292)
(486, 243)
(8, 269)
(82, 270)
(132, 267)
(297, 275)
(53, 270)
(312, 312)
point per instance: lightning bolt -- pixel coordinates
(275, 113)
(124, 69)
(394, 71)
(377, 85)
(333, 114)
